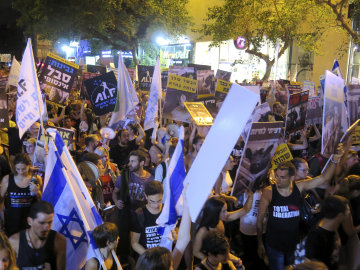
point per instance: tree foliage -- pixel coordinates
(119, 23)
(262, 21)
(339, 9)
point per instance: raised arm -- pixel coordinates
(307, 184)
(243, 211)
(265, 200)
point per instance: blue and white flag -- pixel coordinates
(174, 185)
(337, 71)
(75, 215)
(154, 96)
(126, 95)
(29, 105)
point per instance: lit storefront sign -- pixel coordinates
(240, 43)
(177, 54)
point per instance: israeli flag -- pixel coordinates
(337, 71)
(75, 215)
(174, 186)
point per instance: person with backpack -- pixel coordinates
(144, 229)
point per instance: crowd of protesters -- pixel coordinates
(300, 218)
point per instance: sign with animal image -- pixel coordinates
(179, 90)
(145, 74)
(188, 72)
(353, 101)
(206, 83)
(296, 111)
(4, 114)
(57, 78)
(223, 84)
(86, 76)
(102, 93)
(262, 113)
(259, 148)
(314, 111)
(334, 116)
(199, 113)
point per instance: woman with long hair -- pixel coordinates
(213, 216)
(19, 191)
(7, 254)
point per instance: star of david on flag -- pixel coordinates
(75, 215)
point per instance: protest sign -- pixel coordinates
(210, 104)
(214, 153)
(199, 113)
(86, 76)
(57, 78)
(296, 111)
(294, 87)
(281, 93)
(179, 90)
(262, 113)
(145, 74)
(334, 118)
(309, 86)
(4, 114)
(206, 83)
(96, 69)
(356, 136)
(314, 111)
(102, 93)
(200, 67)
(282, 154)
(188, 72)
(223, 84)
(164, 79)
(353, 101)
(260, 146)
(66, 134)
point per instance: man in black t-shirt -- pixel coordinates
(144, 233)
(119, 153)
(321, 242)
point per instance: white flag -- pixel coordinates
(29, 105)
(14, 73)
(155, 95)
(126, 95)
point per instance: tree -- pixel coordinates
(121, 24)
(341, 10)
(261, 21)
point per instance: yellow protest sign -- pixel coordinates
(223, 86)
(199, 113)
(54, 56)
(182, 83)
(356, 135)
(282, 154)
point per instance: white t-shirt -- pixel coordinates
(248, 222)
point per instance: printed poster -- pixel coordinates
(145, 74)
(256, 161)
(102, 93)
(223, 84)
(210, 104)
(353, 103)
(334, 118)
(262, 113)
(86, 76)
(206, 83)
(57, 78)
(314, 111)
(296, 111)
(309, 86)
(282, 154)
(188, 72)
(179, 90)
(4, 114)
(199, 113)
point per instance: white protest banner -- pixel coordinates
(29, 105)
(334, 117)
(218, 144)
(14, 73)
